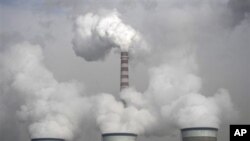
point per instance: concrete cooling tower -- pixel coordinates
(47, 139)
(119, 137)
(199, 134)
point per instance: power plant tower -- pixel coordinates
(199, 134)
(124, 80)
(47, 139)
(119, 137)
(124, 83)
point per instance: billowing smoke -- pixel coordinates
(173, 98)
(96, 34)
(56, 109)
(175, 93)
(172, 101)
(213, 33)
(51, 108)
(113, 116)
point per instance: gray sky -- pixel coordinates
(219, 30)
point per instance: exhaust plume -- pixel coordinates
(174, 92)
(173, 98)
(172, 101)
(177, 95)
(96, 34)
(51, 108)
(55, 109)
(112, 116)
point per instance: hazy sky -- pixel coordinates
(218, 31)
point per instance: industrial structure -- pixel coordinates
(187, 134)
(119, 137)
(124, 80)
(199, 134)
(47, 139)
(124, 83)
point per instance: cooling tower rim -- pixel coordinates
(119, 134)
(199, 128)
(54, 139)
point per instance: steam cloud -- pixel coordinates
(174, 97)
(51, 108)
(55, 109)
(112, 116)
(96, 34)
(172, 101)
(175, 93)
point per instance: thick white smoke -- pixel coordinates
(175, 93)
(113, 116)
(51, 108)
(173, 100)
(55, 109)
(96, 34)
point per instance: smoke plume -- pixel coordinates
(50, 108)
(196, 67)
(174, 96)
(112, 116)
(172, 101)
(175, 93)
(96, 34)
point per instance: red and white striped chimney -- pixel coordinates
(124, 80)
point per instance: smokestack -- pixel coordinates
(199, 134)
(47, 139)
(119, 137)
(124, 80)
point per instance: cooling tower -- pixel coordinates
(124, 80)
(47, 139)
(199, 134)
(119, 137)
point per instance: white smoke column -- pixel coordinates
(174, 91)
(113, 116)
(173, 99)
(96, 34)
(51, 108)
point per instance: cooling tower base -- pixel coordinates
(200, 139)
(47, 139)
(199, 134)
(119, 137)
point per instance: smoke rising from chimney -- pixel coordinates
(113, 116)
(55, 109)
(173, 100)
(175, 92)
(96, 34)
